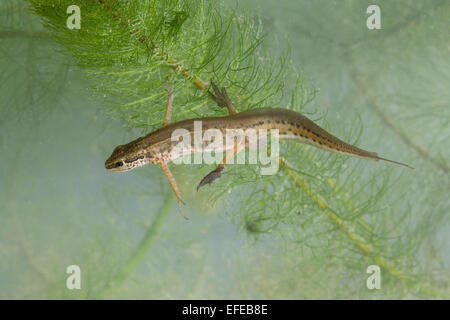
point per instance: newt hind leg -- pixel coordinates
(220, 96)
(216, 173)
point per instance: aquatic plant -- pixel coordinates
(336, 215)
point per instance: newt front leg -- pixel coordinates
(163, 164)
(173, 184)
(170, 97)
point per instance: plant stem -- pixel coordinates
(388, 122)
(143, 247)
(354, 237)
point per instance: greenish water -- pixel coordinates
(60, 207)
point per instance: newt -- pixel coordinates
(157, 146)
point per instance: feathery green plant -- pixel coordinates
(328, 208)
(20, 67)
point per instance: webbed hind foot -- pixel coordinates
(221, 98)
(210, 177)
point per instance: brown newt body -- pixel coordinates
(156, 147)
(160, 147)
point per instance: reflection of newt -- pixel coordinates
(156, 147)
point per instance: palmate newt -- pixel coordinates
(156, 147)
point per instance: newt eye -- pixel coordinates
(118, 164)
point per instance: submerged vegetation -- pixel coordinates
(331, 211)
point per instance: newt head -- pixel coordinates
(125, 158)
